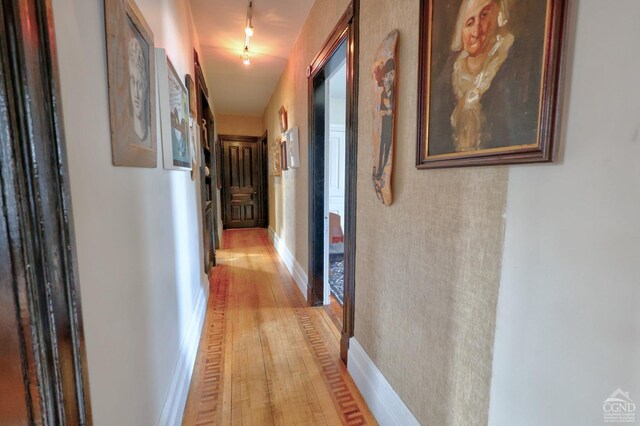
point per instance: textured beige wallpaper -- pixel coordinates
(288, 194)
(428, 267)
(240, 125)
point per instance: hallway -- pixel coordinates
(264, 356)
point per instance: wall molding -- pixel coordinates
(385, 404)
(297, 272)
(174, 404)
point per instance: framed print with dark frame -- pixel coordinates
(174, 115)
(132, 95)
(490, 73)
(284, 156)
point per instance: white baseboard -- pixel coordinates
(383, 401)
(298, 274)
(176, 399)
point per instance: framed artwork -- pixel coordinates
(284, 157)
(174, 115)
(131, 73)
(282, 119)
(276, 157)
(191, 88)
(490, 76)
(384, 113)
(293, 147)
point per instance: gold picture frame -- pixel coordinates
(276, 157)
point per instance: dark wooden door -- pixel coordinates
(241, 182)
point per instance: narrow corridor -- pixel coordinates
(265, 357)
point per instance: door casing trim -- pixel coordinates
(346, 29)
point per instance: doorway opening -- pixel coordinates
(335, 182)
(332, 175)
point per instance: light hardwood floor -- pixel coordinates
(265, 357)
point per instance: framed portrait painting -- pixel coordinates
(132, 95)
(174, 115)
(490, 75)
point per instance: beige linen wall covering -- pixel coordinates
(288, 195)
(428, 267)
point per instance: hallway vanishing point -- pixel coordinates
(265, 357)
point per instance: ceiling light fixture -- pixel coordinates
(248, 30)
(246, 57)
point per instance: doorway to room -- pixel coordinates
(334, 182)
(332, 175)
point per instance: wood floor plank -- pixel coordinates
(265, 358)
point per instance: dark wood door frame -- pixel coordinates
(43, 364)
(208, 189)
(263, 220)
(261, 189)
(347, 29)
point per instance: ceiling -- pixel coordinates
(236, 88)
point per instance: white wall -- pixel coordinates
(137, 230)
(568, 321)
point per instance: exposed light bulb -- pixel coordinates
(249, 30)
(246, 57)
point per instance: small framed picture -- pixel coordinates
(282, 116)
(293, 147)
(191, 88)
(174, 115)
(284, 157)
(132, 96)
(276, 157)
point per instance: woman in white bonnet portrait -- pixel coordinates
(486, 95)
